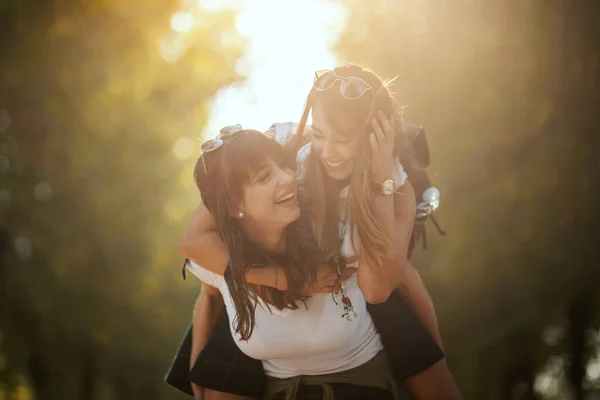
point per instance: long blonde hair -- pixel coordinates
(322, 197)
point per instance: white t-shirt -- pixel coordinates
(315, 340)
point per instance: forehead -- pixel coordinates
(252, 171)
(342, 118)
(334, 123)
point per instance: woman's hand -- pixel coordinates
(382, 147)
(327, 280)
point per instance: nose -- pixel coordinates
(328, 150)
(286, 177)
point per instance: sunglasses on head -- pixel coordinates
(218, 142)
(351, 87)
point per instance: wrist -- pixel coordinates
(280, 280)
(385, 187)
(267, 276)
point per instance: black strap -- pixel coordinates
(183, 269)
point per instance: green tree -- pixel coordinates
(507, 92)
(101, 104)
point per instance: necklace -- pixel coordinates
(342, 289)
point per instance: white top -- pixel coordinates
(311, 341)
(315, 340)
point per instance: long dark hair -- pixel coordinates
(324, 194)
(228, 170)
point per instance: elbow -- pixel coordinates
(184, 247)
(380, 293)
(377, 294)
(377, 297)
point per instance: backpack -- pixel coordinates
(427, 196)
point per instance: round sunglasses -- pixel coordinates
(351, 87)
(216, 143)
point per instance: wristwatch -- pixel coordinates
(387, 188)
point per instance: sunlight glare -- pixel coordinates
(184, 148)
(287, 41)
(216, 5)
(182, 22)
(172, 48)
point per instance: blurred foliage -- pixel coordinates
(101, 104)
(508, 93)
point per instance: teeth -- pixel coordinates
(335, 164)
(284, 198)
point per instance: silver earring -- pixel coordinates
(241, 215)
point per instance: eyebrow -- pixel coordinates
(260, 170)
(314, 128)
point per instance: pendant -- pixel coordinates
(347, 303)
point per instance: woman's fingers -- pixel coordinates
(388, 130)
(374, 146)
(379, 132)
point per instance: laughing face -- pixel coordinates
(270, 196)
(337, 149)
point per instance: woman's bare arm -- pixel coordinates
(395, 216)
(411, 286)
(404, 276)
(415, 293)
(207, 311)
(399, 210)
(201, 243)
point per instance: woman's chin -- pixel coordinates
(338, 173)
(294, 214)
(286, 213)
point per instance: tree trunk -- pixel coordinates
(37, 371)
(88, 372)
(579, 318)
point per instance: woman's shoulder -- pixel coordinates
(205, 275)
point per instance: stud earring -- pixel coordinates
(241, 215)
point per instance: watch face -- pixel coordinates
(388, 187)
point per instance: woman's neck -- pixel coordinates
(267, 237)
(343, 183)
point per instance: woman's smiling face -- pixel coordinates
(337, 147)
(269, 197)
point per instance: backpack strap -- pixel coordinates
(416, 136)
